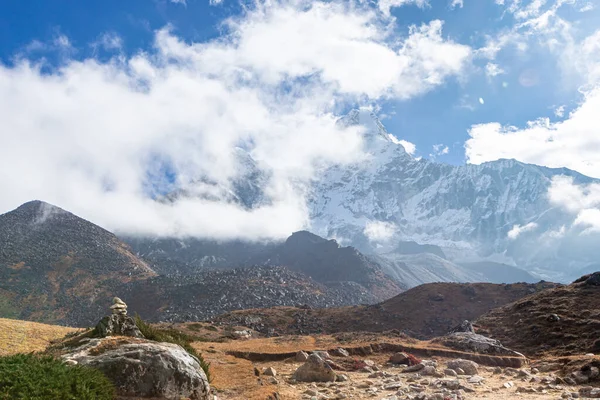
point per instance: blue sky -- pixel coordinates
(441, 116)
(93, 93)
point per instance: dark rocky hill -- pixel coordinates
(424, 312)
(212, 292)
(57, 267)
(561, 321)
(325, 261)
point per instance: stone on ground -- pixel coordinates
(314, 370)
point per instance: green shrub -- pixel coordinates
(172, 336)
(32, 377)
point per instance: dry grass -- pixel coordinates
(25, 337)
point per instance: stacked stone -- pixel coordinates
(119, 307)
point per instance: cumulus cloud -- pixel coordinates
(583, 201)
(410, 148)
(517, 230)
(379, 231)
(104, 138)
(573, 142)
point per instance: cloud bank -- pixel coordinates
(104, 139)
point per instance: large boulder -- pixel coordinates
(140, 368)
(314, 370)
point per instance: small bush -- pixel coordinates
(172, 336)
(32, 377)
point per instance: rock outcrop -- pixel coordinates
(118, 323)
(140, 368)
(475, 343)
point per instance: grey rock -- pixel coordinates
(341, 378)
(399, 358)
(270, 371)
(464, 326)
(450, 372)
(469, 367)
(146, 369)
(428, 371)
(414, 368)
(301, 356)
(118, 325)
(314, 370)
(340, 352)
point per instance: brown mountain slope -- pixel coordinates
(423, 312)
(559, 321)
(57, 267)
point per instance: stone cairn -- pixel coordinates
(119, 307)
(118, 323)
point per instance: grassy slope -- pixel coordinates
(24, 337)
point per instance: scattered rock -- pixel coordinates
(340, 352)
(414, 368)
(450, 372)
(476, 379)
(314, 370)
(553, 318)
(341, 378)
(428, 371)
(508, 384)
(323, 354)
(270, 371)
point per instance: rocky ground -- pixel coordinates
(373, 376)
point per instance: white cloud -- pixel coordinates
(573, 143)
(481, 101)
(215, 2)
(96, 137)
(410, 148)
(438, 150)
(379, 231)
(108, 41)
(385, 6)
(580, 200)
(456, 3)
(518, 229)
(492, 70)
(183, 2)
(560, 111)
(587, 7)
